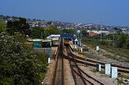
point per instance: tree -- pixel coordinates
(18, 64)
(37, 32)
(2, 26)
(118, 30)
(68, 31)
(51, 30)
(122, 41)
(84, 33)
(128, 44)
(49, 23)
(18, 26)
(93, 28)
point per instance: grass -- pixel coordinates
(124, 76)
(122, 52)
(42, 75)
(116, 58)
(120, 82)
(116, 51)
(94, 70)
(84, 54)
(101, 72)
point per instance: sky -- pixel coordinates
(107, 12)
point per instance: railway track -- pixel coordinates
(81, 77)
(77, 75)
(93, 62)
(58, 77)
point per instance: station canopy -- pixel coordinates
(67, 36)
(53, 36)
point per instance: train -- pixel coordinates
(67, 41)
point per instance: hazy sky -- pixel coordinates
(109, 12)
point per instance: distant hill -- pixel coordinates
(62, 25)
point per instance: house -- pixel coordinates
(94, 32)
(91, 34)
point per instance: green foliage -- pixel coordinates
(107, 45)
(120, 82)
(84, 33)
(42, 75)
(93, 28)
(69, 31)
(51, 30)
(124, 76)
(94, 70)
(115, 40)
(18, 26)
(2, 26)
(101, 72)
(49, 23)
(19, 37)
(18, 64)
(43, 60)
(37, 32)
(127, 44)
(122, 41)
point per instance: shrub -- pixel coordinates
(18, 64)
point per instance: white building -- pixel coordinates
(53, 36)
(99, 32)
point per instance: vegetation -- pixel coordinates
(18, 64)
(122, 41)
(68, 31)
(101, 72)
(51, 30)
(116, 44)
(93, 28)
(84, 33)
(116, 40)
(123, 79)
(120, 82)
(94, 70)
(18, 26)
(37, 32)
(2, 26)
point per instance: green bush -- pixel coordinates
(2, 26)
(18, 64)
